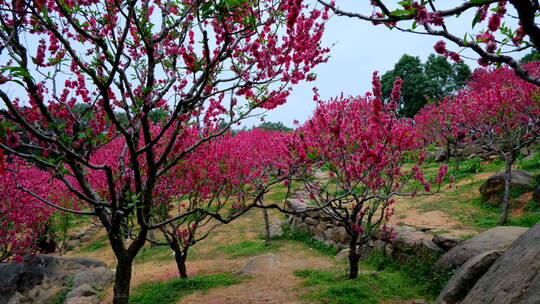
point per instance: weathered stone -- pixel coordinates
(311, 221)
(446, 242)
(275, 230)
(495, 183)
(82, 300)
(303, 227)
(514, 277)
(39, 274)
(70, 244)
(339, 235)
(260, 264)
(389, 250)
(407, 238)
(428, 247)
(85, 290)
(378, 245)
(100, 276)
(328, 234)
(466, 276)
(498, 238)
(296, 205)
(296, 221)
(330, 243)
(319, 234)
(343, 254)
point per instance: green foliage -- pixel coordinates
(530, 163)
(290, 233)
(165, 292)
(246, 248)
(488, 216)
(417, 270)
(423, 82)
(327, 286)
(274, 126)
(156, 252)
(60, 297)
(96, 244)
(531, 57)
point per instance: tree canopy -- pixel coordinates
(432, 80)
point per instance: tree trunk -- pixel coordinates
(181, 264)
(354, 257)
(266, 228)
(180, 256)
(506, 195)
(122, 280)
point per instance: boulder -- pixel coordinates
(446, 242)
(495, 183)
(339, 235)
(84, 290)
(296, 205)
(466, 276)
(276, 230)
(407, 238)
(83, 300)
(514, 277)
(99, 277)
(259, 264)
(38, 275)
(343, 255)
(311, 221)
(498, 238)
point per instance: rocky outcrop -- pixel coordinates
(498, 238)
(495, 184)
(514, 277)
(466, 276)
(259, 264)
(40, 277)
(401, 243)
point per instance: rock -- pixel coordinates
(407, 238)
(85, 290)
(275, 230)
(379, 245)
(100, 277)
(343, 255)
(495, 183)
(446, 242)
(438, 155)
(71, 244)
(536, 196)
(296, 205)
(418, 301)
(83, 300)
(259, 264)
(40, 275)
(339, 235)
(428, 247)
(389, 250)
(296, 221)
(498, 238)
(514, 277)
(466, 276)
(303, 227)
(311, 221)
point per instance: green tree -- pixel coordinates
(423, 82)
(534, 55)
(274, 126)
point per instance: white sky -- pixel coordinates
(361, 48)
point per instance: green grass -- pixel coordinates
(149, 252)
(246, 248)
(96, 244)
(487, 215)
(277, 196)
(165, 292)
(392, 281)
(290, 233)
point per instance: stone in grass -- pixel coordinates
(260, 264)
(466, 276)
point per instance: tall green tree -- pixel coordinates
(424, 82)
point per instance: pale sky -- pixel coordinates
(361, 48)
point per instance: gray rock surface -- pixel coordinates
(259, 264)
(84, 290)
(466, 276)
(99, 276)
(495, 183)
(497, 238)
(40, 276)
(514, 277)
